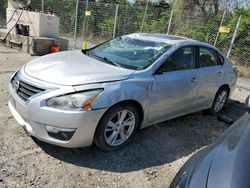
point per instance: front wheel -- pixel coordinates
(117, 127)
(220, 100)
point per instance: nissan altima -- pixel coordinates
(103, 95)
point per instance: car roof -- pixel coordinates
(156, 37)
(168, 39)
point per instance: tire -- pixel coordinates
(220, 100)
(117, 127)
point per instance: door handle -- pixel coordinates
(219, 73)
(194, 79)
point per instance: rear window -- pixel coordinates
(208, 57)
(220, 59)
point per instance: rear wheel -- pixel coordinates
(220, 100)
(117, 127)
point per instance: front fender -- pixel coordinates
(137, 89)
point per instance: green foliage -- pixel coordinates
(107, 27)
(241, 47)
(157, 22)
(191, 22)
(242, 41)
(200, 28)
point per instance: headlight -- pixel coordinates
(77, 101)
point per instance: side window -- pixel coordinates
(220, 60)
(182, 59)
(208, 57)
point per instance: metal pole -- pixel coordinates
(222, 20)
(116, 14)
(76, 20)
(170, 20)
(144, 16)
(232, 41)
(42, 5)
(84, 21)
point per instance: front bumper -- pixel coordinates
(33, 115)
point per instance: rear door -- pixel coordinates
(211, 75)
(175, 86)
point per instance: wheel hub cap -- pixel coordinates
(220, 101)
(119, 128)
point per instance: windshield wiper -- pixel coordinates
(107, 60)
(110, 61)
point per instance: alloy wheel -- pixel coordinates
(119, 128)
(220, 100)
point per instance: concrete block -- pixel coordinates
(63, 43)
(41, 45)
(34, 45)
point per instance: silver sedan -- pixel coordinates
(103, 95)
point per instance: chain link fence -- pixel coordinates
(241, 48)
(96, 22)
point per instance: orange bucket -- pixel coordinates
(54, 48)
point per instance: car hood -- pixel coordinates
(227, 162)
(74, 68)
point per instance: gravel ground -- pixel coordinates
(151, 160)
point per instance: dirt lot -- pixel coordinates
(152, 160)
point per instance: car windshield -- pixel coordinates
(129, 52)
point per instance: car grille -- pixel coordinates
(23, 89)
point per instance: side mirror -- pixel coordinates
(248, 103)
